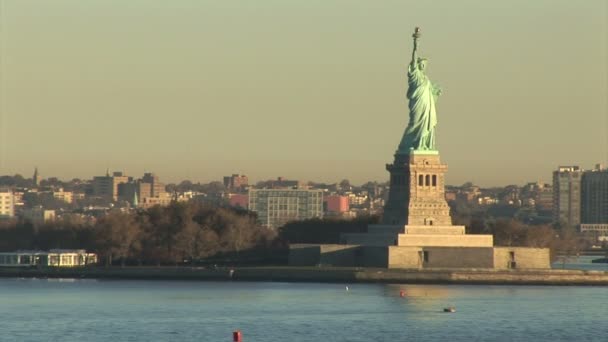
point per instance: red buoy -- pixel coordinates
(401, 293)
(237, 336)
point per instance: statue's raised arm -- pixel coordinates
(416, 36)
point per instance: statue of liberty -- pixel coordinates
(422, 94)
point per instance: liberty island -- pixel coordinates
(416, 231)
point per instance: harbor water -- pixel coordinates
(120, 310)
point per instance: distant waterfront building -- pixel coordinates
(235, 181)
(145, 192)
(336, 204)
(282, 183)
(134, 189)
(7, 203)
(275, 207)
(238, 200)
(157, 188)
(66, 196)
(18, 201)
(148, 202)
(544, 197)
(594, 196)
(52, 258)
(510, 196)
(469, 193)
(106, 186)
(78, 196)
(38, 215)
(185, 196)
(567, 195)
(600, 230)
(487, 200)
(357, 200)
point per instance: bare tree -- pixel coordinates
(508, 233)
(567, 247)
(118, 236)
(539, 237)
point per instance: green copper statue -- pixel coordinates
(422, 94)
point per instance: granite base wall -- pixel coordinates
(456, 257)
(339, 255)
(412, 257)
(523, 257)
(471, 240)
(370, 256)
(404, 257)
(304, 254)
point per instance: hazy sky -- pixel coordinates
(310, 90)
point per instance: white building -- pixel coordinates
(275, 207)
(53, 258)
(7, 203)
(600, 230)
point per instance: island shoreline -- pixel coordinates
(324, 275)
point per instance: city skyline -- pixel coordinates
(198, 90)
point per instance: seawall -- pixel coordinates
(325, 274)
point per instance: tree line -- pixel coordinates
(178, 233)
(193, 233)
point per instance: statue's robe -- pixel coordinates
(420, 131)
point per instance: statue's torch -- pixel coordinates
(417, 33)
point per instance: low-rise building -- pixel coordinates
(238, 200)
(38, 215)
(106, 187)
(544, 198)
(66, 196)
(235, 182)
(145, 192)
(599, 229)
(52, 258)
(336, 204)
(275, 207)
(487, 200)
(357, 199)
(7, 203)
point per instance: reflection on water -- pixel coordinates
(77, 310)
(416, 291)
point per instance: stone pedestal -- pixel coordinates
(416, 213)
(417, 195)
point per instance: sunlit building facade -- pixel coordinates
(7, 203)
(275, 207)
(567, 195)
(594, 196)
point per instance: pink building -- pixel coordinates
(336, 204)
(239, 200)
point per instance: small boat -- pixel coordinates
(449, 309)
